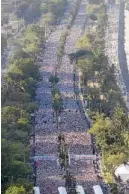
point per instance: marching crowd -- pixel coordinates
(48, 172)
(49, 175)
(72, 124)
(112, 46)
(127, 36)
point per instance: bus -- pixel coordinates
(62, 190)
(36, 190)
(97, 189)
(79, 189)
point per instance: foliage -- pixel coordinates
(114, 189)
(14, 156)
(93, 8)
(22, 9)
(4, 18)
(93, 17)
(54, 79)
(97, 78)
(18, 92)
(29, 10)
(15, 190)
(3, 43)
(62, 44)
(95, 1)
(56, 99)
(19, 53)
(32, 39)
(73, 13)
(112, 137)
(55, 7)
(63, 152)
(85, 42)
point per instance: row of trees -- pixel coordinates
(55, 7)
(62, 45)
(4, 18)
(28, 10)
(3, 43)
(112, 138)
(18, 92)
(102, 94)
(98, 81)
(32, 10)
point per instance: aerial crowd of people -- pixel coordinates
(112, 46)
(49, 175)
(72, 123)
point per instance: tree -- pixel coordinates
(17, 135)
(93, 8)
(111, 161)
(15, 190)
(95, 1)
(85, 65)
(19, 169)
(4, 18)
(63, 152)
(48, 19)
(56, 99)
(15, 118)
(13, 161)
(54, 79)
(22, 9)
(85, 42)
(114, 189)
(26, 66)
(21, 79)
(112, 137)
(32, 39)
(93, 17)
(17, 104)
(19, 54)
(32, 12)
(3, 43)
(101, 130)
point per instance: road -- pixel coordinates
(73, 125)
(123, 57)
(115, 48)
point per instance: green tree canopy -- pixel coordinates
(15, 190)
